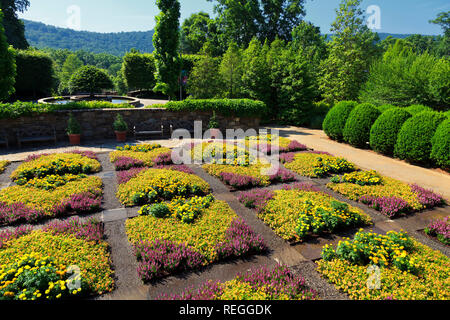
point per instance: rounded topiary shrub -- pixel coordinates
(385, 107)
(418, 108)
(384, 132)
(414, 140)
(359, 123)
(334, 122)
(440, 152)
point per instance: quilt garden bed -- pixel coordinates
(299, 211)
(3, 165)
(316, 164)
(64, 260)
(439, 229)
(51, 185)
(187, 234)
(264, 283)
(389, 196)
(407, 269)
(271, 143)
(144, 155)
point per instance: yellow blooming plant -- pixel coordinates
(156, 184)
(3, 165)
(141, 152)
(408, 270)
(52, 182)
(255, 171)
(319, 165)
(39, 263)
(294, 214)
(222, 153)
(55, 164)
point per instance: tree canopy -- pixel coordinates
(14, 28)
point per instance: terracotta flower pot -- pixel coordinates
(215, 133)
(121, 136)
(75, 139)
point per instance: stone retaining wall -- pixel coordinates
(97, 124)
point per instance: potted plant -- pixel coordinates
(120, 128)
(214, 126)
(74, 131)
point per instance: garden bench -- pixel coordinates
(4, 139)
(182, 124)
(150, 127)
(36, 134)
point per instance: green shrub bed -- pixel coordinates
(358, 125)
(440, 152)
(336, 118)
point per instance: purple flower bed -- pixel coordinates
(256, 199)
(90, 230)
(126, 163)
(163, 159)
(33, 157)
(82, 203)
(161, 258)
(87, 154)
(282, 175)
(440, 229)
(389, 206)
(295, 146)
(277, 282)
(8, 235)
(238, 181)
(287, 157)
(427, 198)
(127, 175)
(240, 241)
(304, 186)
(18, 213)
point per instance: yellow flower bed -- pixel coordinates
(432, 282)
(207, 151)
(202, 235)
(251, 171)
(147, 157)
(45, 200)
(387, 188)
(293, 214)
(3, 165)
(318, 165)
(91, 257)
(59, 164)
(154, 184)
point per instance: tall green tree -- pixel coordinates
(195, 32)
(7, 65)
(70, 66)
(231, 70)
(351, 53)
(443, 20)
(139, 71)
(14, 27)
(166, 42)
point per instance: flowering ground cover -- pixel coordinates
(153, 185)
(277, 283)
(389, 196)
(44, 264)
(221, 153)
(144, 155)
(269, 144)
(3, 165)
(440, 229)
(244, 177)
(188, 234)
(408, 270)
(41, 199)
(41, 166)
(316, 164)
(299, 211)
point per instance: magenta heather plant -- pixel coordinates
(238, 181)
(90, 230)
(287, 157)
(126, 163)
(440, 229)
(18, 213)
(256, 199)
(240, 240)
(88, 154)
(126, 175)
(161, 258)
(163, 159)
(282, 175)
(427, 198)
(321, 152)
(304, 186)
(82, 203)
(35, 156)
(8, 235)
(389, 206)
(296, 146)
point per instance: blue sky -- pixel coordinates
(397, 16)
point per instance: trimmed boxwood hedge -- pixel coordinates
(23, 109)
(386, 107)
(334, 122)
(237, 107)
(359, 123)
(418, 108)
(440, 152)
(414, 140)
(384, 132)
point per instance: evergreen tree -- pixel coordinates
(231, 72)
(139, 71)
(166, 43)
(70, 66)
(351, 53)
(7, 65)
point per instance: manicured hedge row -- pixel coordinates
(238, 107)
(357, 127)
(22, 109)
(335, 120)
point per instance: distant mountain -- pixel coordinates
(382, 36)
(41, 35)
